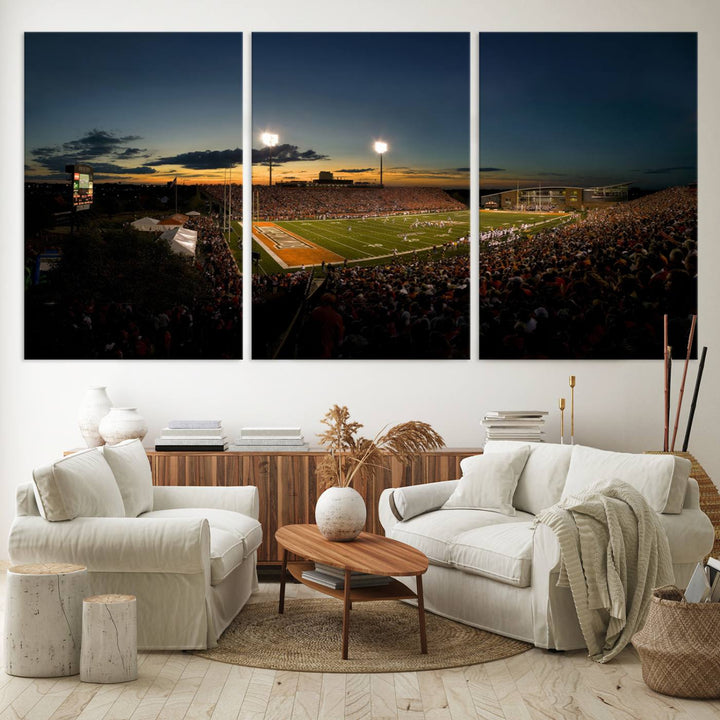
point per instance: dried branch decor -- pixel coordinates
(354, 457)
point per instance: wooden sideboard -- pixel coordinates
(286, 482)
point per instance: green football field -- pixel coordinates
(375, 240)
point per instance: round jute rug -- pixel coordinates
(384, 637)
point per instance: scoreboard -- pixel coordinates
(82, 186)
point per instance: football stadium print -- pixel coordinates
(360, 195)
(588, 205)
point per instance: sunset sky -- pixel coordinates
(329, 96)
(138, 107)
(588, 109)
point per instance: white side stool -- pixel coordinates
(43, 619)
(109, 639)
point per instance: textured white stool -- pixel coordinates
(43, 619)
(109, 639)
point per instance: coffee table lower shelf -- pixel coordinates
(394, 590)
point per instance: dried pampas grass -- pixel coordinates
(355, 457)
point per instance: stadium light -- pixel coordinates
(269, 140)
(380, 148)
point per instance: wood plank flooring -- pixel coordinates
(536, 685)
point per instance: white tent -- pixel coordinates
(193, 213)
(181, 240)
(146, 223)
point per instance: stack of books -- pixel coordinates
(192, 435)
(270, 439)
(518, 425)
(332, 577)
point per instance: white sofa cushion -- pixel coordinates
(501, 552)
(434, 533)
(131, 468)
(488, 482)
(542, 480)
(233, 536)
(79, 485)
(660, 479)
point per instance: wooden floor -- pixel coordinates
(177, 686)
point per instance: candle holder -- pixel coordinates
(572, 409)
(561, 405)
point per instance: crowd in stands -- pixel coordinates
(416, 309)
(279, 202)
(208, 327)
(597, 288)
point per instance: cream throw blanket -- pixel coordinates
(614, 552)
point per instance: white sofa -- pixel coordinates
(492, 569)
(187, 553)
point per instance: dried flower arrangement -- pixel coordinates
(354, 457)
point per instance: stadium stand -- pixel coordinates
(297, 203)
(597, 288)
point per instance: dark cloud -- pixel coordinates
(201, 159)
(98, 142)
(131, 153)
(113, 169)
(492, 169)
(89, 148)
(462, 169)
(355, 170)
(662, 171)
(284, 153)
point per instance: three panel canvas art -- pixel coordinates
(585, 202)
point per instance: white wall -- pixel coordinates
(618, 404)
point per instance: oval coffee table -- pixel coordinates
(368, 553)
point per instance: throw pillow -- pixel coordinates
(488, 482)
(79, 485)
(542, 480)
(660, 479)
(129, 464)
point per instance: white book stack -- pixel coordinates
(518, 425)
(333, 577)
(192, 436)
(270, 439)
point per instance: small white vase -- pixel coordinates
(96, 405)
(122, 423)
(340, 513)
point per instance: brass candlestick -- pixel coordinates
(561, 405)
(572, 409)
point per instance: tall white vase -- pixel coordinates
(96, 405)
(340, 513)
(122, 423)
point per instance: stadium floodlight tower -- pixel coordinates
(380, 148)
(269, 140)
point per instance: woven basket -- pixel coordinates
(680, 646)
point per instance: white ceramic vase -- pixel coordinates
(96, 405)
(122, 423)
(340, 513)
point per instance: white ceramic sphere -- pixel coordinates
(340, 513)
(122, 424)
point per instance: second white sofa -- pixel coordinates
(490, 568)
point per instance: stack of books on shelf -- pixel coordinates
(192, 435)
(270, 439)
(518, 425)
(332, 577)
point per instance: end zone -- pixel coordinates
(289, 249)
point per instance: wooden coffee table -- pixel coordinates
(368, 553)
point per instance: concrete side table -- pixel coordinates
(43, 619)
(109, 639)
